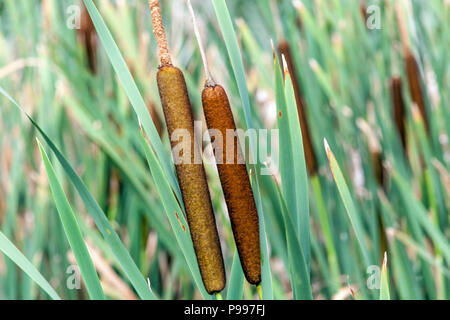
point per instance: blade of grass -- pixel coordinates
(384, 281)
(298, 268)
(236, 285)
(10, 250)
(348, 202)
(298, 171)
(133, 94)
(73, 232)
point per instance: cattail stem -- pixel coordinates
(209, 79)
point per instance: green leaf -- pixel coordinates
(384, 285)
(348, 202)
(10, 250)
(298, 170)
(73, 232)
(236, 282)
(133, 94)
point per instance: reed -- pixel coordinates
(191, 176)
(233, 175)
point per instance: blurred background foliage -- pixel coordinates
(65, 81)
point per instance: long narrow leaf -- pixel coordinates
(10, 250)
(73, 232)
(102, 223)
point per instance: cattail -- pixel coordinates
(411, 67)
(233, 175)
(310, 156)
(191, 176)
(415, 87)
(88, 38)
(399, 108)
(378, 170)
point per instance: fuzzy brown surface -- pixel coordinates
(415, 87)
(235, 184)
(399, 108)
(310, 156)
(192, 179)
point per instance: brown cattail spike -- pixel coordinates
(399, 108)
(310, 156)
(192, 179)
(232, 172)
(191, 175)
(88, 38)
(415, 87)
(235, 183)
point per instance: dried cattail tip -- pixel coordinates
(288, 62)
(415, 87)
(160, 34)
(399, 108)
(235, 183)
(192, 179)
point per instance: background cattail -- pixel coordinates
(191, 176)
(398, 105)
(88, 37)
(411, 67)
(310, 156)
(415, 87)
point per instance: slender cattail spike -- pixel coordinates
(88, 37)
(411, 66)
(235, 182)
(415, 86)
(398, 105)
(160, 34)
(191, 175)
(209, 80)
(288, 62)
(233, 173)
